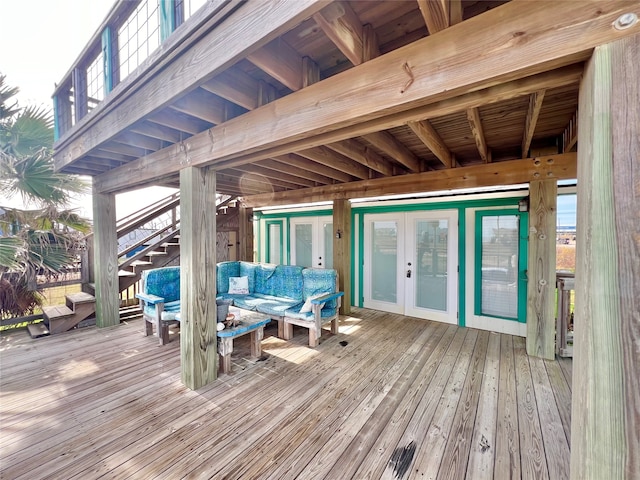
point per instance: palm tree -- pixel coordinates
(42, 240)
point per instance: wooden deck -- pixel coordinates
(388, 397)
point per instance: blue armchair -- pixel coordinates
(160, 300)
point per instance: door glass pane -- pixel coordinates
(500, 266)
(431, 264)
(275, 243)
(327, 232)
(304, 240)
(384, 261)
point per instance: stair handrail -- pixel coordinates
(170, 236)
(146, 239)
(139, 218)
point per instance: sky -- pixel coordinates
(39, 41)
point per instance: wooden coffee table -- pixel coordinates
(250, 322)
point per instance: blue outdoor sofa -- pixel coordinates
(291, 295)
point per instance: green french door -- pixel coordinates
(497, 246)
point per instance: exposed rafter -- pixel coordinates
(428, 135)
(313, 167)
(202, 105)
(361, 154)
(570, 134)
(341, 24)
(475, 123)
(285, 179)
(562, 166)
(435, 14)
(235, 86)
(395, 149)
(335, 160)
(282, 62)
(535, 105)
(157, 131)
(284, 164)
(146, 170)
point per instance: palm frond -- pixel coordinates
(12, 250)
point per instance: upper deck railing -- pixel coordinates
(132, 31)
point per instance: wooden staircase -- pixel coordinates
(60, 318)
(158, 249)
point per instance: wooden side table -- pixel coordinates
(250, 322)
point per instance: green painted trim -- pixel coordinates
(258, 234)
(523, 248)
(56, 122)
(352, 247)
(267, 224)
(445, 205)
(523, 265)
(361, 247)
(288, 229)
(462, 262)
(314, 213)
(166, 9)
(107, 60)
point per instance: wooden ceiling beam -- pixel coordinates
(570, 134)
(202, 105)
(475, 123)
(235, 86)
(562, 166)
(283, 164)
(343, 27)
(535, 105)
(395, 149)
(286, 179)
(119, 157)
(150, 169)
(123, 149)
(178, 122)
(314, 167)
(140, 141)
(435, 14)
(335, 160)
(430, 137)
(246, 172)
(279, 60)
(363, 155)
(455, 12)
(157, 131)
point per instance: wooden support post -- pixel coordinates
(605, 419)
(341, 250)
(543, 195)
(198, 276)
(105, 244)
(245, 234)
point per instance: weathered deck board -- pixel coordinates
(403, 397)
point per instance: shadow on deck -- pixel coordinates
(388, 397)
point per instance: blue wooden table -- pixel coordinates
(250, 322)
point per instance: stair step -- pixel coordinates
(80, 297)
(37, 330)
(171, 244)
(55, 312)
(126, 273)
(156, 254)
(138, 263)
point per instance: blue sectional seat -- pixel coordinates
(292, 295)
(280, 291)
